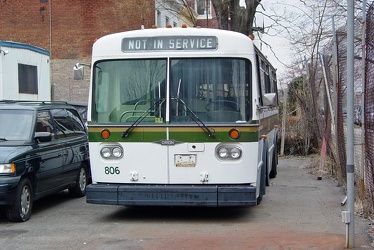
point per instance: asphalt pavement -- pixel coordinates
(314, 205)
(298, 212)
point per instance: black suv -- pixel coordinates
(43, 150)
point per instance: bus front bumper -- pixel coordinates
(172, 195)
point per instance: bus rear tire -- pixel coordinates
(273, 172)
(259, 199)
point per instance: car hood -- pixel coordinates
(10, 152)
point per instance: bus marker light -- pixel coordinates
(105, 134)
(263, 137)
(234, 133)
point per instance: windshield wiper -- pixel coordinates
(195, 118)
(141, 118)
(3, 139)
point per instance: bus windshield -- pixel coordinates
(213, 89)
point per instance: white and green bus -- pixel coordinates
(180, 117)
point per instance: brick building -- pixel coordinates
(67, 29)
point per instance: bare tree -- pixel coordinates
(309, 30)
(230, 15)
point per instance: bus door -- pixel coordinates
(204, 91)
(189, 154)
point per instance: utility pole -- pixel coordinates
(285, 94)
(348, 216)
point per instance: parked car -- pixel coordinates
(43, 150)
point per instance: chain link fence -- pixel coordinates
(316, 108)
(368, 109)
(363, 115)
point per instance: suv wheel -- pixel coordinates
(79, 190)
(22, 207)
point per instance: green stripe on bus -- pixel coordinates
(178, 134)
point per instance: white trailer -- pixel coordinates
(24, 72)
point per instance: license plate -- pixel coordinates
(185, 160)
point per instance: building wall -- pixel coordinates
(167, 14)
(178, 12)
(68, 29)
(203, 20)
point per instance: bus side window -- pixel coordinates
(267, 83)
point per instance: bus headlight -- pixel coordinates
(117, 152)
(235, 153)
(105, 152)
(223, 152)
(111, 152)
(229, 152)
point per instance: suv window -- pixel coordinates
(44, 123)
(77, 123)
(67, 122)
(8, 119)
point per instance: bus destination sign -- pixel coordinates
(169, 43)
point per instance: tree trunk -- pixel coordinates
(231, 16)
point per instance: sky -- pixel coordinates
(280, 47)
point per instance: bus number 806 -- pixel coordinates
(112, 170)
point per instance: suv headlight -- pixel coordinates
(111, 152)
(7, 168)
(229, 152)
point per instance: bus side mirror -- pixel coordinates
(78, 72)
(269, 99)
